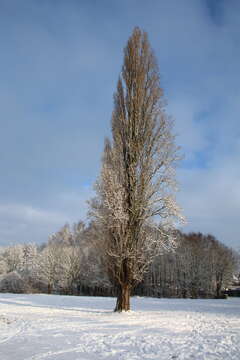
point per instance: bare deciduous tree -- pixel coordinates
(138, 173)
(14, 258)
(49, 266)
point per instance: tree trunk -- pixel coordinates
(218, 291)
(123, 298)
(49, 288)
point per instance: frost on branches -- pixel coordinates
(137, 182)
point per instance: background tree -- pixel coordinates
(138, 174)
(14, 258)
(50, 266)
(223, 266)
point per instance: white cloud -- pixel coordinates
(28, 213)
(191, 135)
(26, 223)
(211, 200)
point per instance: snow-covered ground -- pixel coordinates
(81, 328)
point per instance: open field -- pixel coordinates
(37, 327)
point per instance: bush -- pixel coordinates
(12, 282)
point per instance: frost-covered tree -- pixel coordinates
(3, 263)
(29, 260)
(13, 256)
(137, 180)
(3, 266)
(61, 237)
(61, 262)
(200, 266)
(223, 266)
(71, 267)
(49, 266)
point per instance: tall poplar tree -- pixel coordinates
(137, 181)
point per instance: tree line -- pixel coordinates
(70, 263)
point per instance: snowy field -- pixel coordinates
(53, 327)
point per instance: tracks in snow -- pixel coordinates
(177, 332)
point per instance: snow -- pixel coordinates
(36, 327)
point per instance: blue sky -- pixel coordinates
(59, 63)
